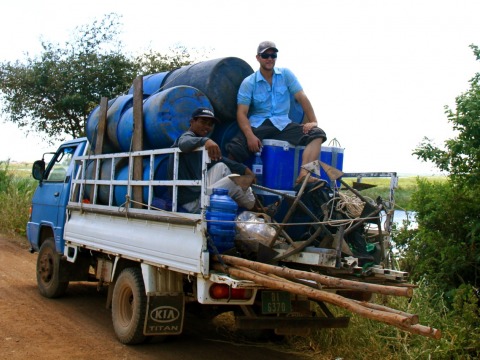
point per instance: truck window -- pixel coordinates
(57, 170)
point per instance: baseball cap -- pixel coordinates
(265, 45)
(204, 112)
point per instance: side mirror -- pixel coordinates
(38, 169)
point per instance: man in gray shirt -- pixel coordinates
(190, 164)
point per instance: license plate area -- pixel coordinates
(276, 302)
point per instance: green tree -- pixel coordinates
(446, 246)
(53, 93)
(461, 156)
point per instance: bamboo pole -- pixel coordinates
(382, 316)
(413, 317)
(322, 279)
(423, 330)
(399, 319)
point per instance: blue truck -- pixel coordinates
(155, 262)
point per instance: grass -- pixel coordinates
(402, 192)
(16, 191)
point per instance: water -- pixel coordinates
(400, 215)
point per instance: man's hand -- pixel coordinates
(213, 150)
(254, 143)
(308, 126)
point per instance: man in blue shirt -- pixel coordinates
(263, 104)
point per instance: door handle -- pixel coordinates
(56, 194)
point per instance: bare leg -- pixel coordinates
(311, 153)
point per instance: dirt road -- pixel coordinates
(78, 326)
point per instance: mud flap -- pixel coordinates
(164, 315)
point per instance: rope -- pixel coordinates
(125, 206)
(349, 205)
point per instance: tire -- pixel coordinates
(52, 278)
(129, 304)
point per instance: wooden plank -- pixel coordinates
(99, 141)
(102, 125)
(137, 141)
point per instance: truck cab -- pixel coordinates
(47, 214)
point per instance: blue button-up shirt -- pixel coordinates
(269, 102)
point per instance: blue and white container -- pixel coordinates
(220, 216)
(282, 162)
(333, 156)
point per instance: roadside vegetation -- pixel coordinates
(16, 190)
(441, 253)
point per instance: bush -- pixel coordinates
(15, 196)
(445, 247)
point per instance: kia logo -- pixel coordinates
(164, 314)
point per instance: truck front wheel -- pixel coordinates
(129, 303)
(52, 279)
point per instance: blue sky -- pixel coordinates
(378, 73)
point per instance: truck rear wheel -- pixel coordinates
(52, 279)
(129, 303)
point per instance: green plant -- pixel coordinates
(15, 196)
(367, 339)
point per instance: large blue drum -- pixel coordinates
(166, 116)
(218, 79)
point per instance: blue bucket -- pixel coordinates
(333, 156)
(218, 79)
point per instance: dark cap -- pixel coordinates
(265, 45)
(205, 113)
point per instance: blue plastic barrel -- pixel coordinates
(152, 83)
(223, 133)
(166, 116)
(159, 173)
(91, 129)
(105, 173)
(114, 114)
(221, 215)
(219, 79)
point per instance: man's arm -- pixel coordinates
(254, 143)
(189, 142)
(307, 107)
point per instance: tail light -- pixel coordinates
(223, 291)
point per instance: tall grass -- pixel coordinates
(368, 340)
(402, 193)
(16, 191)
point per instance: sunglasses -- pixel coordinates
(266, 56)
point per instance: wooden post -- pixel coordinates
(99, 141)
(137, 139)
(102, 125)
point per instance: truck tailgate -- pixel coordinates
(179, 247)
